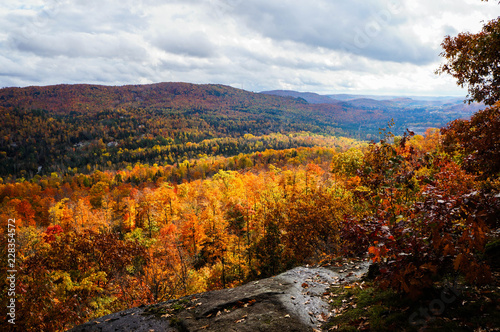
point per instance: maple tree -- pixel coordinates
(474, 60)
(70, 275)
(475, 141)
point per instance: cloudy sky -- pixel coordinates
(324, 46)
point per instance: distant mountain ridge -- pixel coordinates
(377, 101)
(310, 97)
(335, 111)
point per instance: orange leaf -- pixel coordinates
(458, 262)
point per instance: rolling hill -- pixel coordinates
(61, 126)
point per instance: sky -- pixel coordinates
(388, 47)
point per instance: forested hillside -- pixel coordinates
(87, 127)
(140, 204)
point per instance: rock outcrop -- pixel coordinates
(291, 301)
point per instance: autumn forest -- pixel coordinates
(133, 195)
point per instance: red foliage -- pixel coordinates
(443, 228)
(51, 232)
(477, 141)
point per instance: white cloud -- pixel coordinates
(383, 46)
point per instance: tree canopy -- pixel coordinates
(474, 60)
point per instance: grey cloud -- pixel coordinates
(172, 65)
(195, 44)
(371, 29)
(79, 45)
(293, 62)
(11, 71)
(46, 71)
(103, 18)
(89, 16)
(79, 29)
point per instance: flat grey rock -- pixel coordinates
(291, 301)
